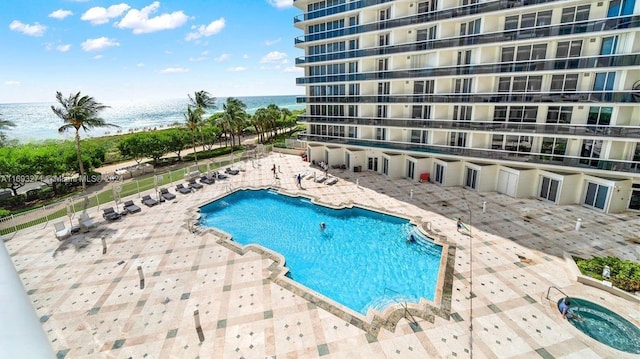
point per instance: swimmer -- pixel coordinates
(322, 226)
(411, 239)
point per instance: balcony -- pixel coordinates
(473, 98)
(574, 63)
(623, 132)
(337, 9)
(489, 38)
(483, 154)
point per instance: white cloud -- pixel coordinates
(221, 58)
(197, 59)
(272, 42)
(100, 15)
(140, 23)
(173, 70)
(31, 30)
(237, 69)
(63, 48)
(281, 4)
(97, 57)
(60, 14)
(293, 69)
(205, 31)
(12, 83)
(245, 56)
(98, 44)
(140, 64)
(274, 56)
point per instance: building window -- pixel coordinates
(609, 45)
(419, 111)
(517, 143)
(590, 152)
(382, 111)
(354, 20)
(470, 28)
(462, 85)
(568, 49)
(604, 81)
(553, 146)
(423, 87)
(383, 40)
(559, 114)
(353, 132)
(427, 6)
(419, 136)
(383, 64)
(381, 134)
(462, 113)
(353, 67)
(354, 89)
(621, 8)
(385, 14)
(599, 116)
(354, 44)
(527, 114)
(566, 82)
(523, 21)
(524, 53)
(464, 57)
(575, 14)
(426, 34)
(520, 84)
(353, 111)
(383, 88)
(458, 139)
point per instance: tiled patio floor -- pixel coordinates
(95, 306)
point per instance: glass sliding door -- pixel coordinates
(439, 173)
(471, 178)
(549, 189)
(596, 195)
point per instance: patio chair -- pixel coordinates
(207, 180)
(321, 178)
(110, 214)
(148, 201)
(219, 175)
(195, 185)
(130, 207)
(164, 193)
(182, 189)
(62, 232)
(85, 222)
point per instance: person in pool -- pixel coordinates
(564, 308)
(322, 226)
(411, 239)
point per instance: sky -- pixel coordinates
(147, 50)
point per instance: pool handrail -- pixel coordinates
(556, 288)
(404, 306)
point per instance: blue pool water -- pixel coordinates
(361, 259)
(605, 326)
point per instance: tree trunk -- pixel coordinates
(195, 150)
(79, 153)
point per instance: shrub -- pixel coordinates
(624, 274)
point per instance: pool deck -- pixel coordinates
(94, 306)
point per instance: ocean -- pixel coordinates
(36, 121)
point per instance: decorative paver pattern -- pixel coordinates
(93, 305)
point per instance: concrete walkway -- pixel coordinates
(92, 305)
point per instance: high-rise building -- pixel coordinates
(527, 98)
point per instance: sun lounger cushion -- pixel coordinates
(321, 178)
(182, 189)
(130, 207)
(148, 201)
(195, 185)
(110, 214)
(61, 231)
(166, 194)
(207, 180)
(331, 181)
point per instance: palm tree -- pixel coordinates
(193, 117)
(79, 112)
(236, 114)
(4, 124)
(202, 100)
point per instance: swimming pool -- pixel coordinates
(361, 259)
(605, 326)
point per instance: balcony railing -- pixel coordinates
(573, 63)
(354, 5)
(483, 154)
(472, 40)
(630, 132)
(473, 98)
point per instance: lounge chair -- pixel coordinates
(148, 201)
(85, 222)
(331, 181)
(110, 214)
(321, 178)
(207, 180)
(195, 185)
(130, 207)
(232, 171)
(182, 189)
(62, 232)
(219, 175)
(164, 193)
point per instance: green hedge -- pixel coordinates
(624, 274)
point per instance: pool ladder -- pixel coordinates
(407, 314)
